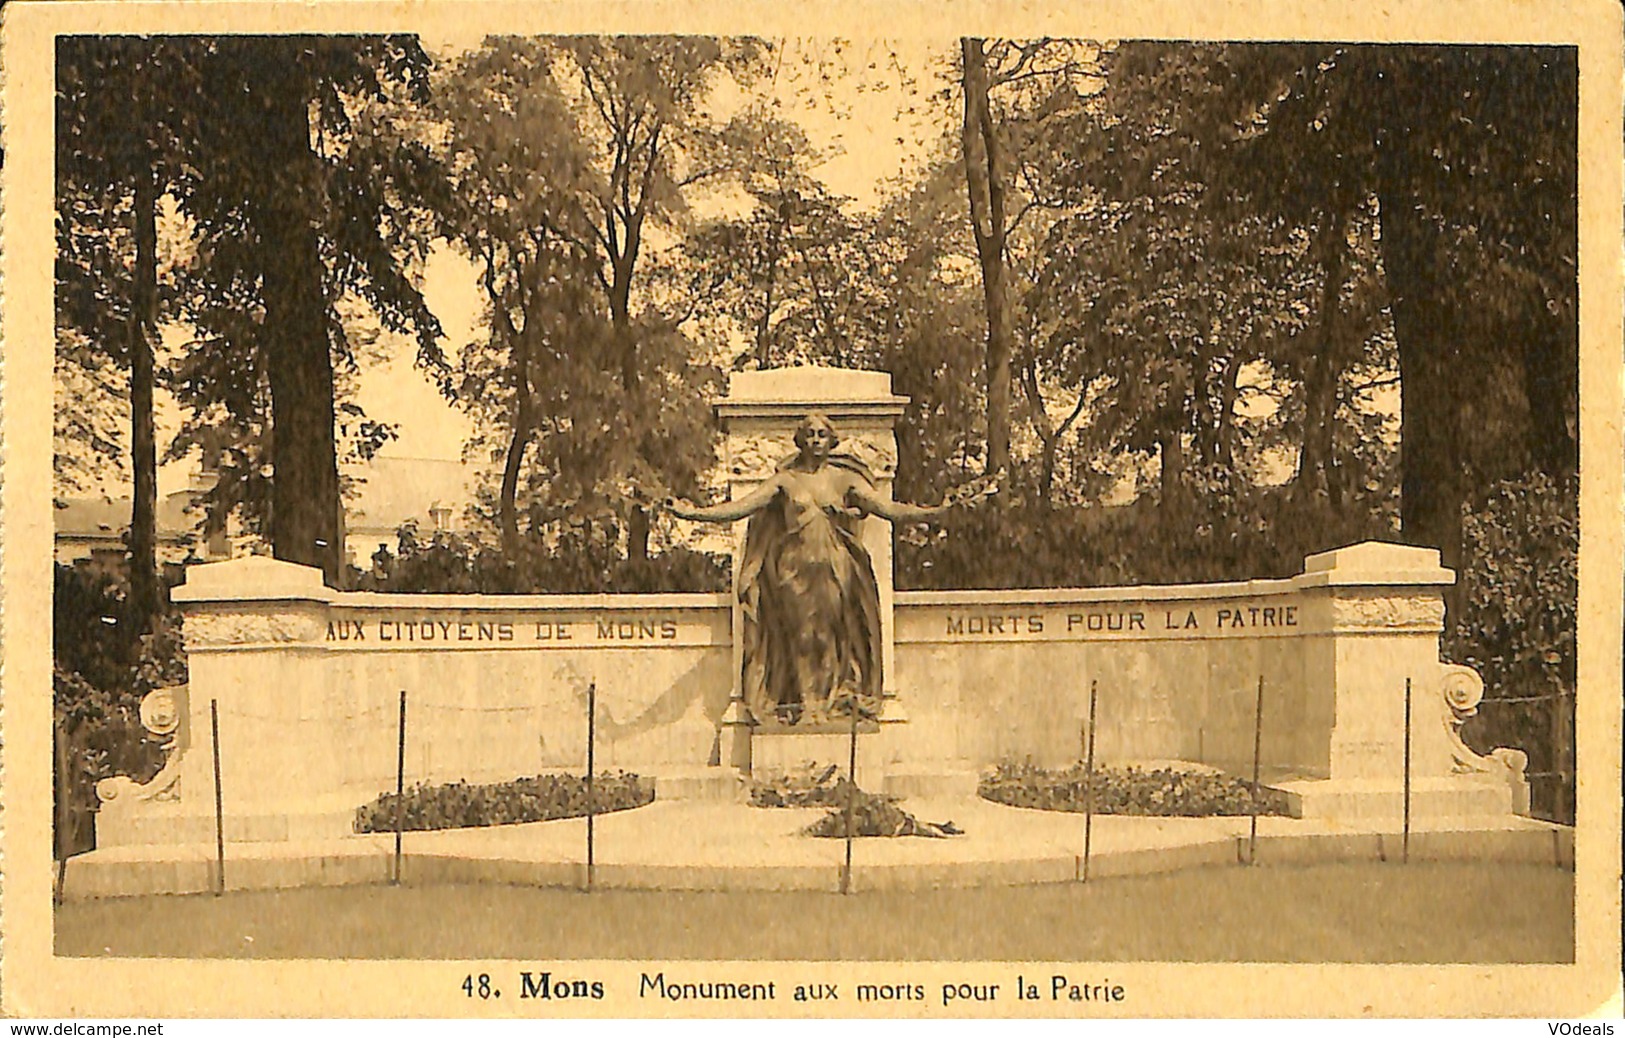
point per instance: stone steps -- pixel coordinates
(704, 783)
(1348, 799)
(930, 784)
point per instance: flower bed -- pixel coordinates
(1129, 790)
(459, 805)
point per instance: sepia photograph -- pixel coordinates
(685, 514)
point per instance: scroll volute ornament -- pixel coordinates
(163, 713)
(1463, 691)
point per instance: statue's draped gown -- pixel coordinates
(809, 598)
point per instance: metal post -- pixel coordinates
(219, 813)
(63, 782)
(1258, 742)
(851, 798)
(592, 732)
(1405, 839)
(400, 788)
(1089, 785)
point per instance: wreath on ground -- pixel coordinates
(874, 814)
(823, 785)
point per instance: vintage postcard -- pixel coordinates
(895, 511)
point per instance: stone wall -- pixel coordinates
(991, 675)
(307, 681)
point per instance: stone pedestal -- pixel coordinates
(780, 751)
(1378, 610)
(759, 416)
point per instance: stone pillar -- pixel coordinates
(1377, 611)
(1382, 608)
(759, 416)
(254, 630)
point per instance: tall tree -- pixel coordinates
(585, 389)
(310, 212)
(798, 276)
(986, 182)
(1040, 75)
(641, 104)
(516, 169)
(1469, 153)
(123, 107)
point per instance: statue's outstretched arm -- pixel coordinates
(727, 511)
(866, 498)
(893, 511)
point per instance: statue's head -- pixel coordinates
(815, 434)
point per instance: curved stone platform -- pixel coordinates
(697, 845)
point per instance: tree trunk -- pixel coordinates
(305, 489)
(1320, 390)
(507, 509)
(1431, 483)
(637, 534)
(1228, 392)
(1172, 418)
(1171, 479)
(524, 421)
(1551, 364)
(985, 185)
(620, 298)
(620, 317)
(1047, 435)
(144, 590)
(764, 325)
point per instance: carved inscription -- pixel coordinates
(464, 631)
(1074, 623)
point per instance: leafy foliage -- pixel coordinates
(459, 805)
(301, 243)
(1517, 623)
(581, 558)
(104, 661)
(1128, 791)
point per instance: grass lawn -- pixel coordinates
(1354, 912)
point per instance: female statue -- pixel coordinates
(806, 586)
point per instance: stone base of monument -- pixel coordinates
(727, 785)
(178, 823)
(780, 751)
(928, 783)
(1453, 796)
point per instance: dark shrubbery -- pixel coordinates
(459, 805)
(103, 663)
(1226, 531)
(1518, 604)
(1128, 791)
(582, 560)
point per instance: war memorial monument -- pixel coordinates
(703, 691)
